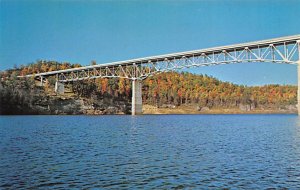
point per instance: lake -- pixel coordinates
(150, 152)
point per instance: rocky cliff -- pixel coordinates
(36, 101)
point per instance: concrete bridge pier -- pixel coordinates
(298, 93)
(41, 81)
(298, 72)
(136, 104)
(59, 88)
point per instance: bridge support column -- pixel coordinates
(41, 80)
(298, 72)
(298, 93)
(59, 88)
(137, 104)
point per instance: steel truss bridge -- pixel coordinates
(278, 50)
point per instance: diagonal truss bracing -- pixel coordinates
(278, 50)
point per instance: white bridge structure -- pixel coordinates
(277, 50)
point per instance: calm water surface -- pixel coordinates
(150, 152)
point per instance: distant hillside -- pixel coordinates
(186, 88)
(109, 96)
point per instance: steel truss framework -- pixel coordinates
(279, 50)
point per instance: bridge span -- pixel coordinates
(278, 50)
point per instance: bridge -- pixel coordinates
(278, 50)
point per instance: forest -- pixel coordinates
(175, 88)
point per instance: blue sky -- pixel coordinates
(105, 31)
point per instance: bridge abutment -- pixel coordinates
(137, 103)
(59, 88)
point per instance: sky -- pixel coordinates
(106, 31)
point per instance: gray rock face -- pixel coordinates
(244, 107)
(291, 108)
(203, 109)
(71, 106)
(168, 106)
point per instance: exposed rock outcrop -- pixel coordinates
(59, 105)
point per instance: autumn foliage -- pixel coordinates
(186, 88)
(167, 88)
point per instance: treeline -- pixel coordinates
(185, 88)
(166, 88)
(42, 66)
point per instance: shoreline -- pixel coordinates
(152, 110)
(169, 113)
(180, 110)
(266, 113)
